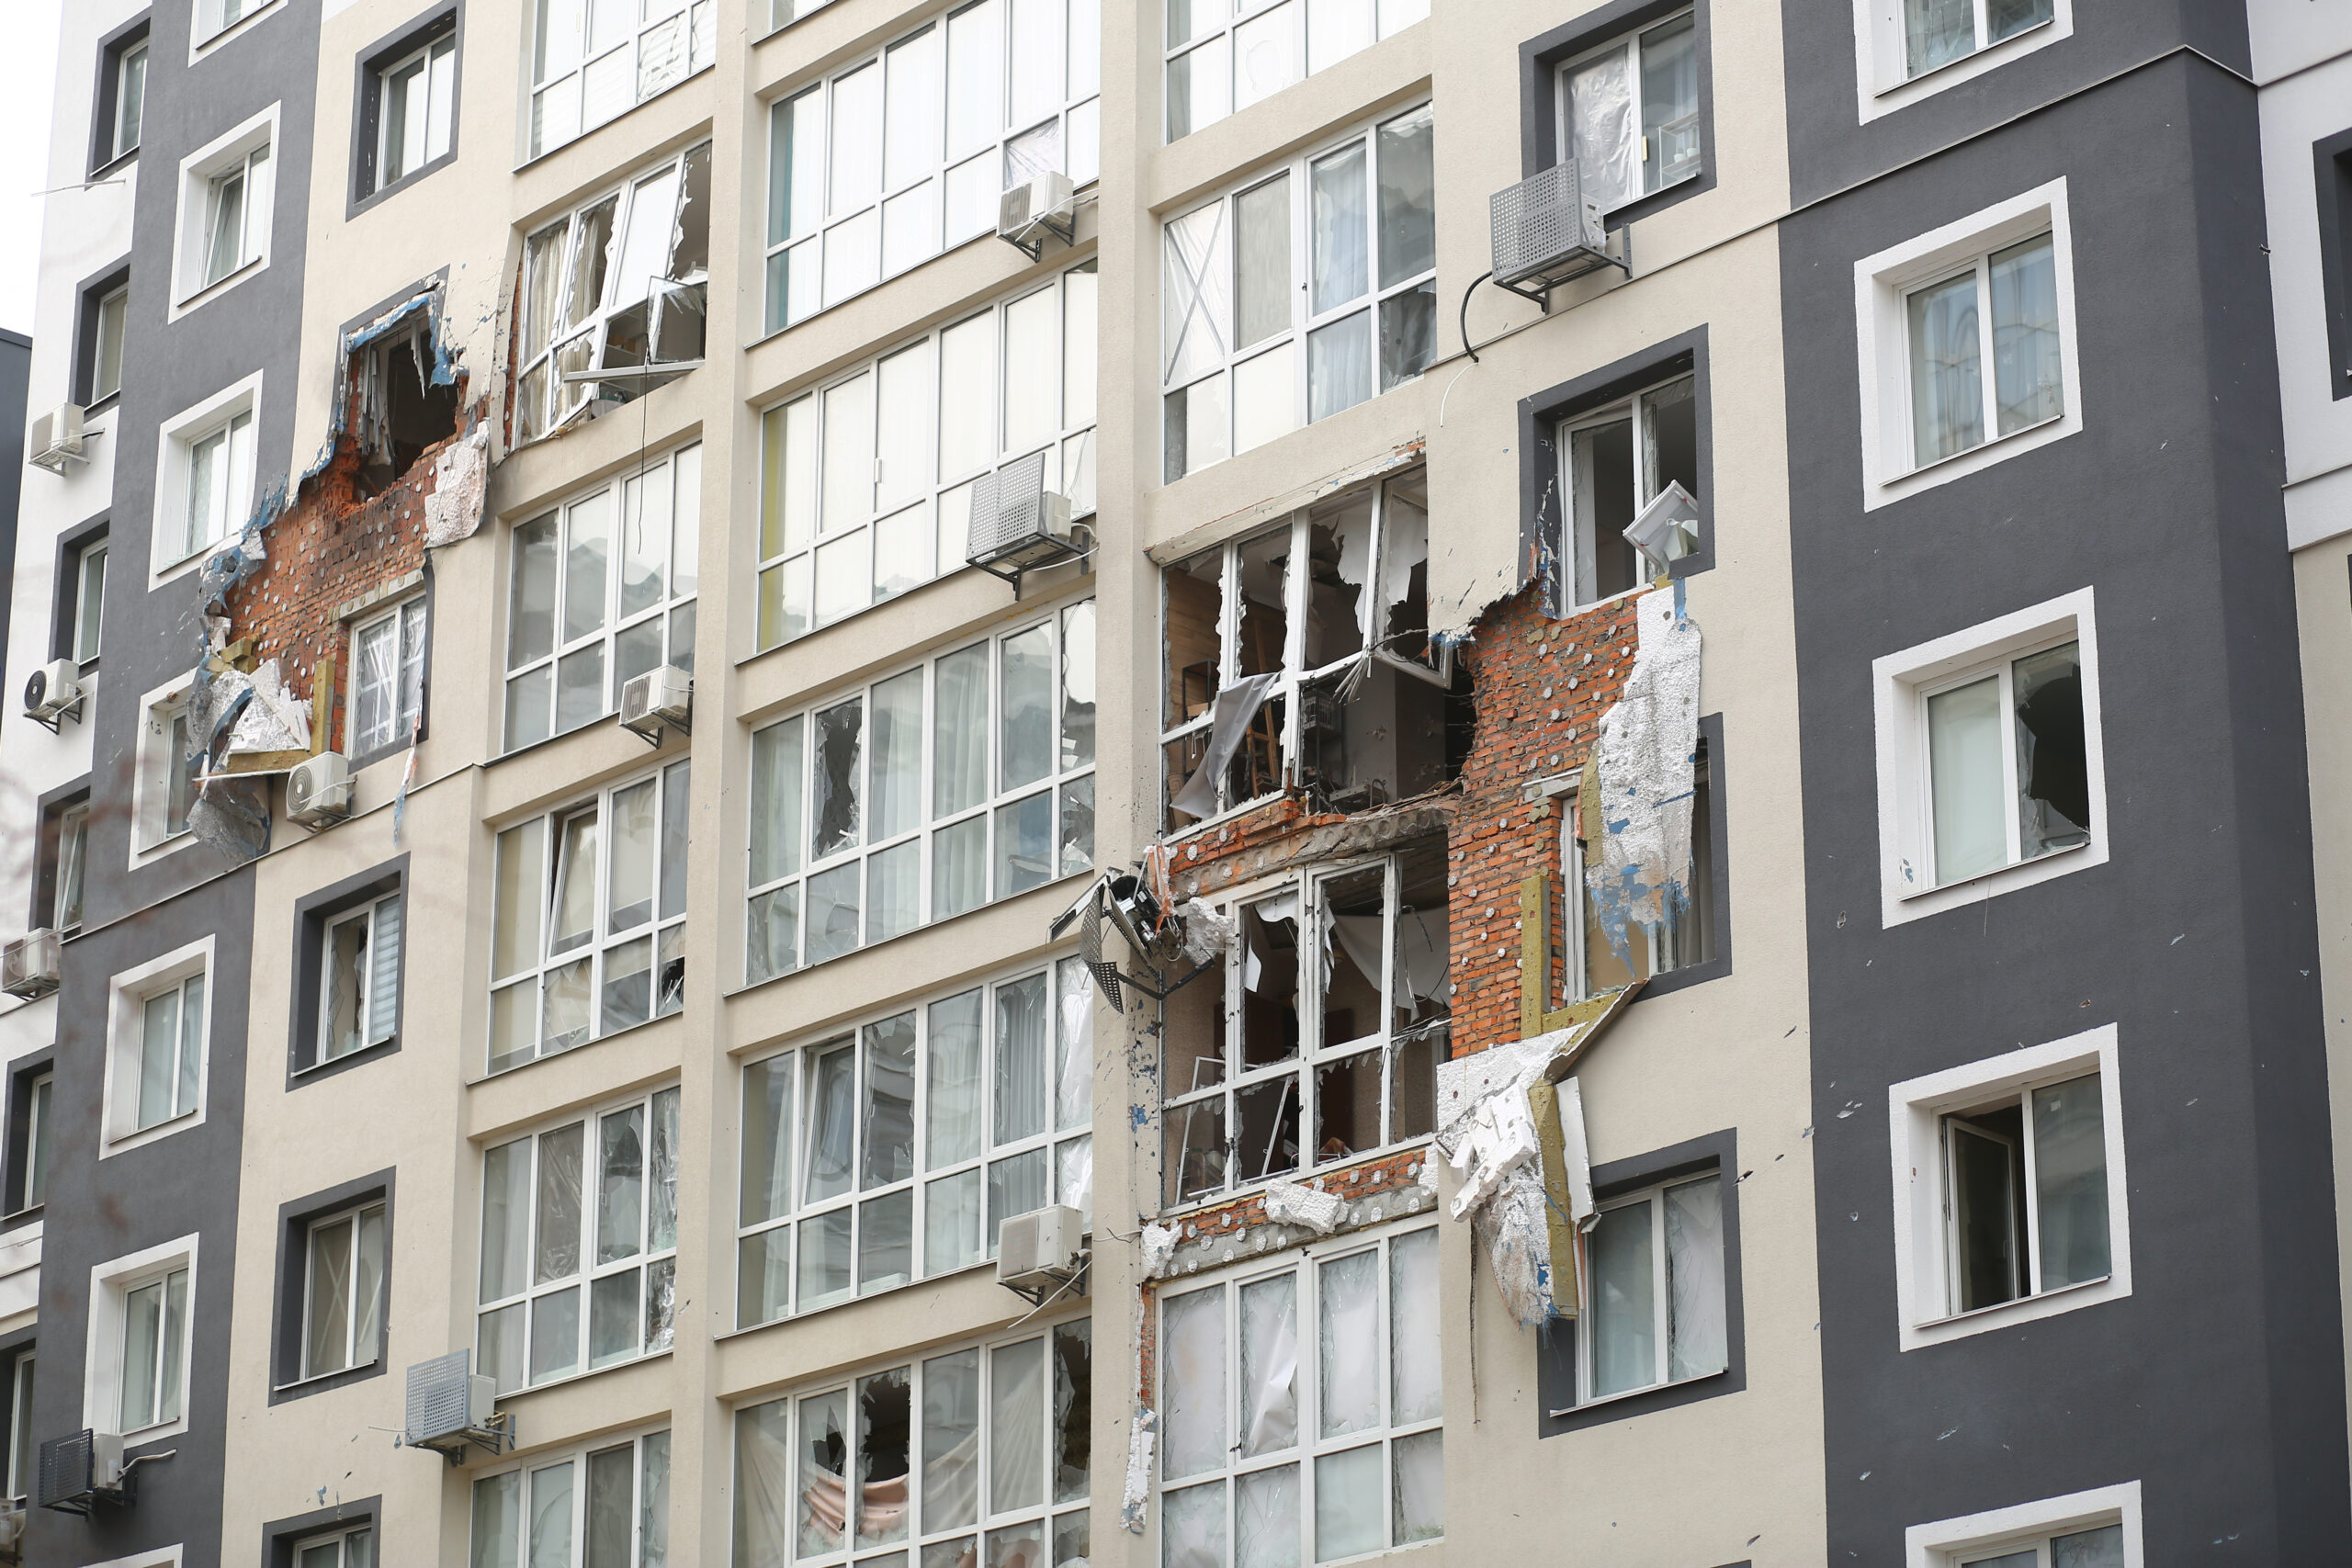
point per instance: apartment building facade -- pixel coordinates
(1443, 868)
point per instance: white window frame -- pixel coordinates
(1950, 1543)
(170, 554)
(1630, 44)
(647, 1263)
(70, 893)
(1305, 1265)
(436, 60)
(111, 1283)
(947, 199)
(1067, 785)
(210, 27)
(1881, 83)
(1578, 565)
(341, 1540)
(156, 755)
(1184, 306)
(23, 1447)
(517, 1547)
(127, 994)
(1915, 1109)
(603, 519)
(359, 1354)
(1900, 683)
(1052, 1510)
(124, 59)
(32, 1156)
(1661, 1298)
(1308, 899)
(652, 55)
(1884, 280)
(1062, 1139)
(373, 1030)
(88, 632)
(933, 505)
(107, 326)
(1301, 50)
(405, 623)
(192, 235)
(554, 351)
(663, 926)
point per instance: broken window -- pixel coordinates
(1629, 113)
(845, 850)
(2025, 1186)
(2008, 763)
(589, 934)
(613, 297)
(579, 1237)
(606, 1508)
(595, 598)
(919, 1456)
(902, 154)
(892, 1153)
(1248, 351)
(1317, 1038)
(1616, 464)
(1594, 963)
(594, 59)
(393, 408)
(1216, 66)
(387, 679)
(1654, 1263)
(867, 480)
(1301, 660)
(1272, 1446)
(359, 988)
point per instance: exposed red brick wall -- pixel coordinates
(1539, 687)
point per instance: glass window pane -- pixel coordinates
(1335, 29)
(1262, 288)
(1669, 102)
(1947, 390)
(1072, 1414)
(910, 143)
(1418, 1501)
(849, 453)
(620, 1184)
(960, 731)
(1024, 844)
(1340, 269)
(824, 1259)
(1269, 1414)
(1417, 1382)
(1987, 1266)
(2100, 1547)
(1348, 1292)
(2026, 379)
(555, 1334)
(832, 1129)
(1937, 33)
(1016, 1425)
(1016, 1186)
(1192, 1384)
(832, 913)
(1193, 293)
(1407, 197)
(839, 732)
(497, 1520)
(530, 614)
(950, 1431)
(952, 1224)
(327, 1329)
(612, 1492)
(1021, 1050)
(954, 1089)
(959, 868)
(824, 1463)
(1032, 365)
(898, 755)
(1965, 777)
(505, 1218)
(1199, 91)
(1625, 1304)
(975, 77)
(908, 387)
(557, 1253)
(2070, 1182)
(776, 802)
(767, 1138)
(1027, 738)
(1079, 289)
(1339, 365)
(1348, 1502)
(612, 1318)
(886, 1242)
(887, 1133)
(2053, 778)
(1408, 335)
(1694, 1278)
(856, 139)
(967, 397)
(586, 527)
(1265, 55)
(630, 881)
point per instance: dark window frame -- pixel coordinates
(287, 1302)
(2332, 186)
(311, 914)
(278, 1536)
(22, 1074)
(86, 299)
(1541, 57)
(1555, 1342)
(1542, 508)
(111, 50)
(50, 816)
(367, 102)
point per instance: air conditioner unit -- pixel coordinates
(29, 964)
(53, 692)
(451, 1405)
(319, 790)
(1018, 524)
(660, 697)
(58, 438)
(1047, 204)
(83, 1472)
(1546, 231)
(1041, 1250)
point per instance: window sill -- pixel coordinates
(213, 290)
(2042, 858)
(569, 1378)
(1977, 451)
(319, 1379)
(1973, 57)
(502, 1072)
(312, 1072)
(850, 1298)
(750, 986)
(1929, 1325)
(1626, 1394)
(111, 166)
(151, 1130)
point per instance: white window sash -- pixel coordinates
(1305, 36)
(355, 1313)
(579, 82)
(553, 1529)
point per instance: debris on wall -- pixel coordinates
(1289, 1204)
(460, 484)
(1133, 1501)
(1640, 788)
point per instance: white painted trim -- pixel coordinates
(1880, 87)
(1939, 1544)
(198, 48)
(1883, 351)
(195, 171)
(125, 993)
(173, 439)
(102, 1364)
(149, 789)
(1896, 683)
(161, 1557)
(1913, 1107)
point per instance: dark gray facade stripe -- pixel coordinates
(2219, 1383)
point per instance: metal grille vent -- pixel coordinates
(1544, 229)
(1008, 507)
(439, 1397)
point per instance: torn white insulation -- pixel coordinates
(460, 478)
(1649, 741)
(1289, 1203)
(1498, 1138)
(1158, 1245)
(1487, 1135)
(1235, 707)
(274, 720)
(1132, 1510)
(1207, 931)
(1574, 1158)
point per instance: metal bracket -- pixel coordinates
(1541, 293)
(71, 709)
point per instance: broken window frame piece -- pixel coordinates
(954, 112)
(1688, 940)
(893, 832)
(584, 74)
(594, 599)
(2013, 803)
(1214, 66)
(1393, 1407)
(360, 955)
(422, 85)
(1580, 544)
(867, 483)
(554, 991)
(1351, 292)
(1187, 736)
(1676, 1356)
(579, 1221)
(1639, 132)
(835, 1166)
(2026, 1199)
(387, 699)
(998, 1444)
(596, 251)
(1296, 1080)
(603, 1506)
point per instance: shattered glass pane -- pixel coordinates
(1192, 1527)
(1269, 1367)
(1190, 628)
(1418, 1500)
(1347, 1295)
(1195, 1148)
(1191, 1388)
(2100, 1547)
(1078, 827)
(1269, 982)
(773, 936)
(950, 1437)
(1416, 1383)
(1073, 1544)
(1074, 1043)
(1268, 1139)
(1022, 1546)
(1351, 1515)
(1027, 684)
(959, 732)
(1266, 1517)
(887, 1135)
(884, 1410)
(2053, 771)
(1073, 1409)
(824, 1464)
(1338, 567)
(951, 1222)
(831, 1084)
(839, 737)
(592, 238)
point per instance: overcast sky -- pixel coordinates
(28, 79)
